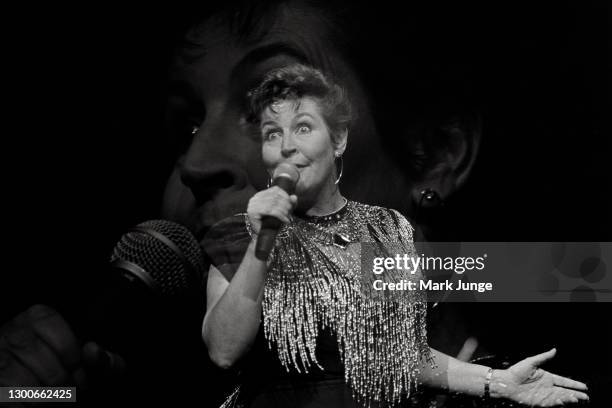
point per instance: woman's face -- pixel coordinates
(295, 132)
(219, 165)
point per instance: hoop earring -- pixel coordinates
(339, 157)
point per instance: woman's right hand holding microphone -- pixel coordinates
(274, 202)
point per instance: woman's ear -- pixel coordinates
(450, 159)
(340, 140)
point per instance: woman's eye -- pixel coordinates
(303, 129)
(272, 135)
(183, 135)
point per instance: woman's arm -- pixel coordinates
(524, 382)
(233, 310)
(455, 376)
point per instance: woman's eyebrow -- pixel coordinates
(260, 54)
(300, 115)
(268, 123)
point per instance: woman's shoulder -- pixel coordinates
(377, 213)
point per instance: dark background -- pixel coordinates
(87, 155)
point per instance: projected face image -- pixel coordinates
(219, 165)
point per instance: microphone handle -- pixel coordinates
(120, 312)
(267, 237)
(271, 225)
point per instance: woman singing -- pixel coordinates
(303, 327)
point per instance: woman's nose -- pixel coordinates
(206, 179)
(288, 146)
(213, 163)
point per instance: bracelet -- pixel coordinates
(487, 384)
(249, 227)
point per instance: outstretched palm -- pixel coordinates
(526, 383)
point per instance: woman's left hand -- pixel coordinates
(526, 383)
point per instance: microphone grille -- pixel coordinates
(168, 253)
(287, 170)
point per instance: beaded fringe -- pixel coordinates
(233, 400)
(382, 339)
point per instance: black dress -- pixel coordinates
(266, 383)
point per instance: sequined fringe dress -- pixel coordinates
(319, 291)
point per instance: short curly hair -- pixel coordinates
(295, 82)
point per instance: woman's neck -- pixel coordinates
(329, 202)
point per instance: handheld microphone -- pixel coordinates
(155, 270)
(286, 177)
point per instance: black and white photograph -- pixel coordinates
(308, 204)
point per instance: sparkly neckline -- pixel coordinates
(334, 216)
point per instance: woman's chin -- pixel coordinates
(304, 194)
(300, 190)
(302, 185)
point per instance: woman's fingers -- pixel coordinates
(273, 202)
(279, 192)
(13, 372)
(101, 361)
(41, 343)
(573, 396)
(580, 395)
(278, 204)
(540, 359)
(37, 356)
(568, 383)
(281, 215)
(563, 396)
(53, 329)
